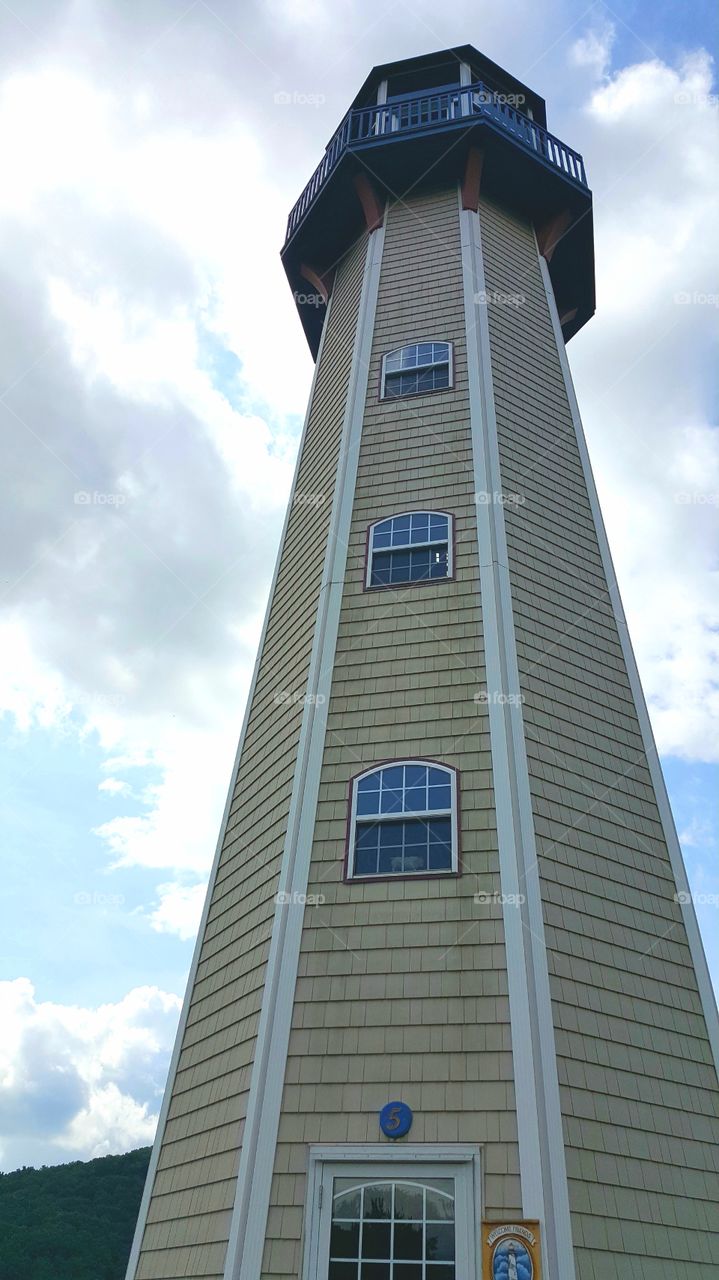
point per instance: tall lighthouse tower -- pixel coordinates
(449, 1016)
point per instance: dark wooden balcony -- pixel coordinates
(369, 127)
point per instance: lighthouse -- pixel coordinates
(448, 971)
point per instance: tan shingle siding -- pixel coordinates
(402, 986)
(198, 1160)
(633, 1056)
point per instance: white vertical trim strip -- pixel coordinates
(177, 1048)
(254, 1181)
(694, 939)
(539, 1120)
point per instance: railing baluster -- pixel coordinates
(427, 110)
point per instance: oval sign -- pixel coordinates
(395, 1119)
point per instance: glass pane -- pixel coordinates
(391, 801)
(377, 1239)
(438, 526)
(415, 775)
(375, 1271)
(440, 1207)
(343, 1271)
(435, 1272)
(381, 538)
(408, 1240)
(404, 1272)
(344, 1240)
(367, 802)
(370, 783)
(420, 528)
(437, 777)
(440, 797)
(407, 1202)
(346, 1205)
(440, 1241)
(393, 775)
(415, 800)
(378, 1200)
(400, 530)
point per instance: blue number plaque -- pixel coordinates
(395, 1119)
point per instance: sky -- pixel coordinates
(153, 381)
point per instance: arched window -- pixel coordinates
(415, 546)
(393, 1227)
(422, 366)
(403, 821)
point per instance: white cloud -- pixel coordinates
(179, 909)
(594, 50)
(81, 1082)
(638, 367)
(152, 362)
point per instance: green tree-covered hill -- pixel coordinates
(71, 1221)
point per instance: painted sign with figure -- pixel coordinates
(510, 1251)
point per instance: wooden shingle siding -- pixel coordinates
(635, 1069)
(189, 1213)
(402, 990)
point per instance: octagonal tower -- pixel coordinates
(448, 1016)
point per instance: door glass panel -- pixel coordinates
(403, 1230)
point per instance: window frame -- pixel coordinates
(430, 391)
(349, 876)
(380, 1160)
(449, 576)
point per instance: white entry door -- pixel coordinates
(393, 1219)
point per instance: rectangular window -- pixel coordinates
(379, 1212)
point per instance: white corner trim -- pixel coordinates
(539, 1120)
(254, 1180)
(676, 858)
(184, 1013)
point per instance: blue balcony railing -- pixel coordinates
(412, 115)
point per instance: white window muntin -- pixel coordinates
(446, 539)
(403, 815)
(386, 1162)
(417, 357)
